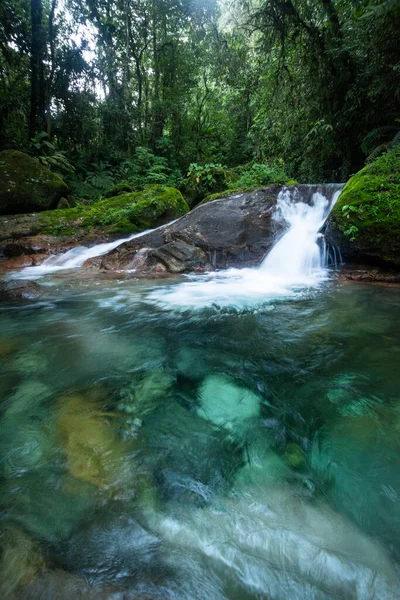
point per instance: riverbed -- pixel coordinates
(152, 451)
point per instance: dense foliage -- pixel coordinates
(159, 91)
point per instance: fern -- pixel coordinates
(380, 140)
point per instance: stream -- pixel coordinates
(230, 436)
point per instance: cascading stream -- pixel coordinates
(74, 258)
(295, 262)
(297, 255)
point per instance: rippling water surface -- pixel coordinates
(151, 453)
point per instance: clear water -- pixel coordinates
(217, 453)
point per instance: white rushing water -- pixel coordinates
(74, 258)
(295, 262)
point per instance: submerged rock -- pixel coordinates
(192, 461)
(226, 404)
(7, 347)
(111, 547)
(94, 452)
(21, 561)
(272, 544)
(19, 290)
(26, 185)
(28, 397)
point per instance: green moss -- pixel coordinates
(212, 197)
(368, 209)
(118, 189)
(228, 193)
(63, 203)
(26, 185)
(125, 213)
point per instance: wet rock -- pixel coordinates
(365, 221)
(111, 547)
(179, 257)
(233, 231)
(19, 290)
(63, 203)
(366, 274)
(21, 561)
(225, 404)
(94, 452)
(27, 246)
(7, 347)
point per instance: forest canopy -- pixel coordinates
(143, 91)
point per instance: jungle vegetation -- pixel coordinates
(169, 91)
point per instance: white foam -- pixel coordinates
(294, 263)
(76, 257)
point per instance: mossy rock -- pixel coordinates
(155, 205)
(26, 185)
(63, 204)
(118, 190)
(225, 194)
(365, 221)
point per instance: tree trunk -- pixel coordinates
(37, 111)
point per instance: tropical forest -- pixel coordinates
(199, 299)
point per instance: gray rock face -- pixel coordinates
(233, 231)
(19, 290)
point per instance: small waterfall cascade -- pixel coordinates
(74, 258)
(301, 251)
(298, 259)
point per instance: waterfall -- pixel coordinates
(297, 260)
(297, 255)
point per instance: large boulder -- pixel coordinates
(233, 231)
(26, 185)
(365, 221)
(55, 231)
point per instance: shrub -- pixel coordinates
(262, 174)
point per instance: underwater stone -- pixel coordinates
(93, 450)
(7, 347)
(111, 547)
(28, 396)
(19, 290)
(21, 561)
(226, 404)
